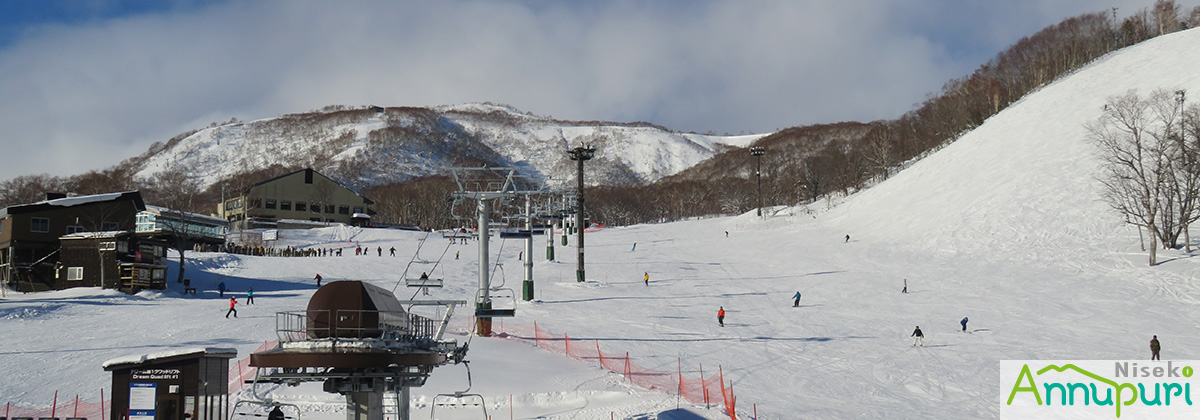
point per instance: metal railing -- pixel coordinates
(294, 326)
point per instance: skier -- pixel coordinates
(721, 316)
(275, 414)
(380, 250)
(646, 277)
(232, 302)
(905, 290)
(964, 324)
(1154, 348)
(456, 255)
(250, 296)
(796, 304)
(521, 256)
(339, 252)
(318, 279)
(221, 289)
(392, 251)
(847, 239)
(919, 335)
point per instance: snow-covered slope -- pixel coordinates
(367, 147)
(1024, 182)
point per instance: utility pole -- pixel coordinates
(580, 154)
(758, 152)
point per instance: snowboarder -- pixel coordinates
(964, 324)
(221, 289)
(456, 255)
(796, 304)
(847, 239)
(631, 249)
(721, 316)
(232, 303)
(318, 279)
(919, 335)
(646, 278)
(905, 289)
(275, 414)
(250, 296)
(392, 251)
(1154, 348)
(727, 234)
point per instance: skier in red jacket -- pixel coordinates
(232, 303)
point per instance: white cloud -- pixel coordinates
(85, 97)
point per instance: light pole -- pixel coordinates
(758, 152)
(580, 154)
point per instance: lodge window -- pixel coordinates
(74, 229)
(74, 273)
(301, 206)
(285, 205)
(110, 226)
(344, 209)
(270, 203)
(358, 210)
(329, 208)
(316, 208)
(39, 224)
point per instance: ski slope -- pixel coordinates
(1004, 226)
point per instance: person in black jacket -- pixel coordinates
(919, 335)
(1154, 348)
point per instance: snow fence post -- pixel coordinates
(567, 345)
(76, 406)
(704, 386)
(679, 361)
(536, 341)
(721, 377)
(628, 375)
(101, 404)
(54, 405)
(600, 355)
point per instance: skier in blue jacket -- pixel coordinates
(797, 302)
(964, 324)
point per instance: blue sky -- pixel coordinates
(85, 84)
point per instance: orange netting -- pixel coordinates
(241, 371)
(700, 390)
(72, 407)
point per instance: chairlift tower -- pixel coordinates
(486, 185)
(580, 154)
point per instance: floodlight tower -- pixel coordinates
(580, 154)
(758, 152)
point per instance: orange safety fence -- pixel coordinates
(710, 390)
(70, 407)
(241, 372)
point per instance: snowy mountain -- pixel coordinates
(1005, 226)
(375, 145)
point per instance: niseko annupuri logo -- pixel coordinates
(1098, 389)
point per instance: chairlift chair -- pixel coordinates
(507, 309)
(255, 409)
(423, 281)
(460, 404)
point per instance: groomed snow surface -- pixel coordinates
(1004, 226)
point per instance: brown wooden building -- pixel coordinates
(29, 233)
(112, 260)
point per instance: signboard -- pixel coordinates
(154, 374)
(142, 399)
(270, 235)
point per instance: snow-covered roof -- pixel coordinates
(93, 235)
(360, 216)
(143, 358)
(157, 210)
(74, 201)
